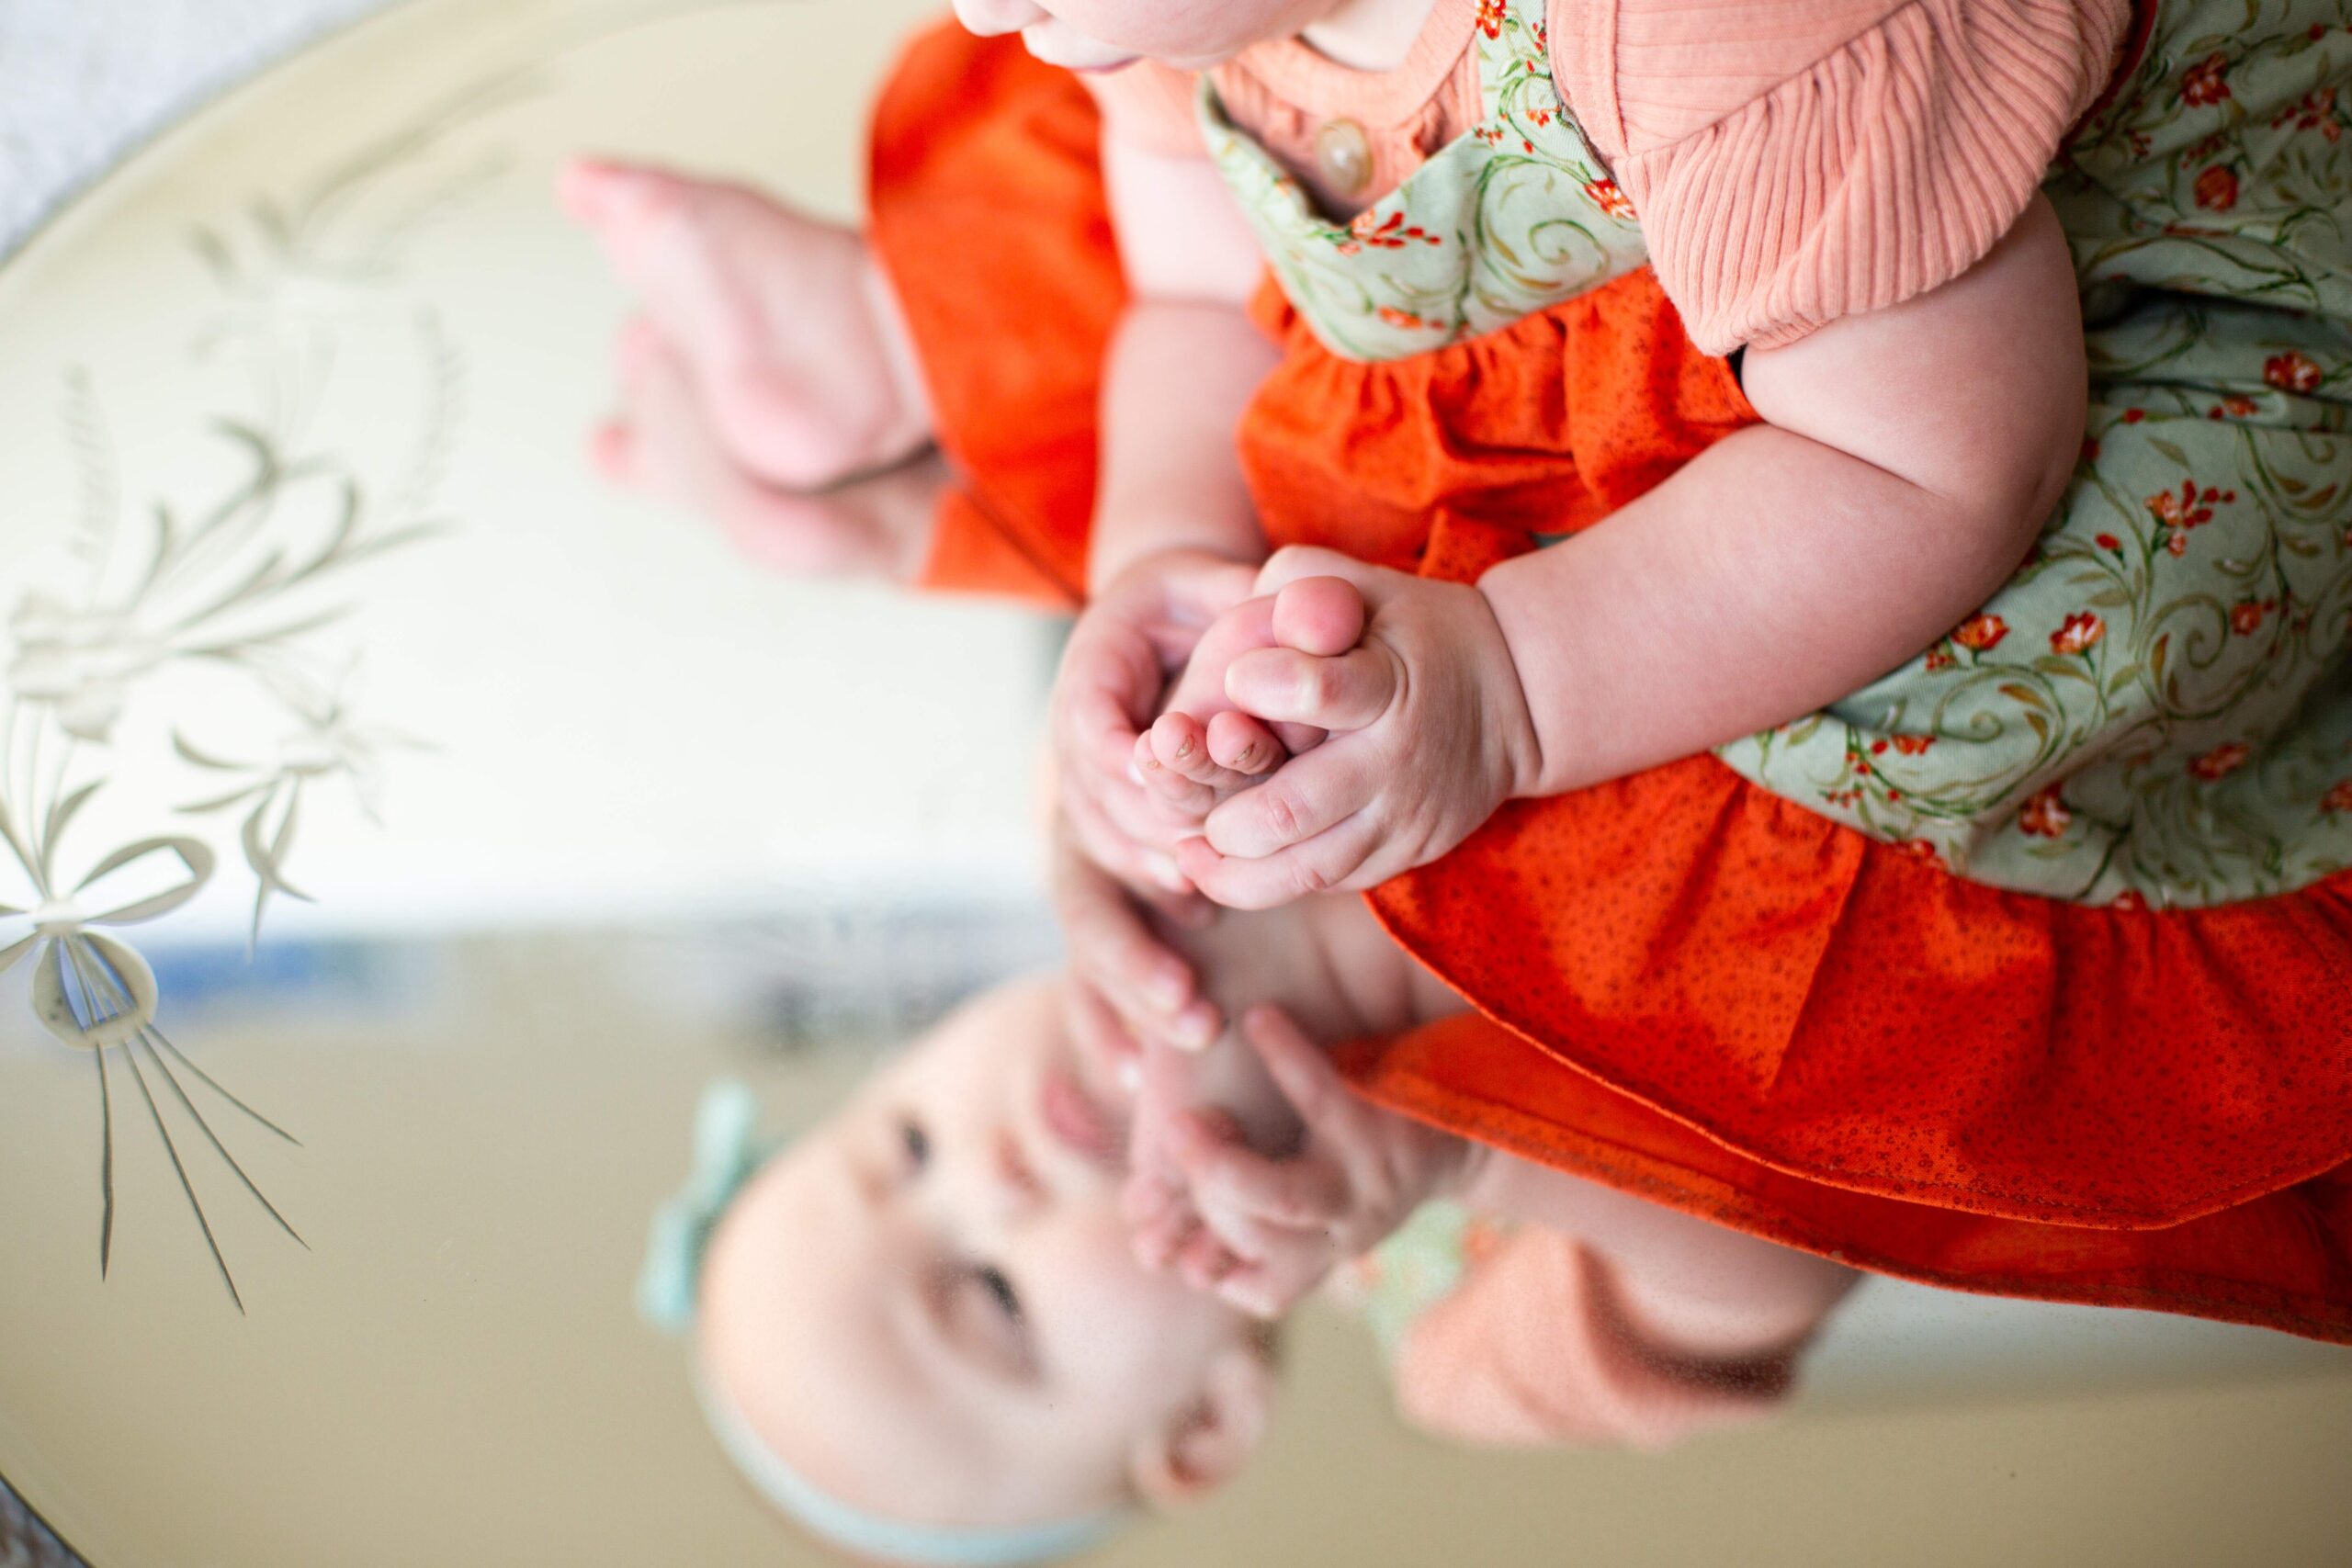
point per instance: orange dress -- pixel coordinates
(1686, 986)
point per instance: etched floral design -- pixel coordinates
(79, 664)
(239, 593)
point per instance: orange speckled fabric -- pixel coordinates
(1686, 986)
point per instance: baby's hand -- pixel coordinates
(1203, 748)
(1141, 626)
(1128, 988)
(1430, 734)
(1262, 1232)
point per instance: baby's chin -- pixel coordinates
(1057, 44)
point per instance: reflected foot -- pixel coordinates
(792, 336)
(662, 443)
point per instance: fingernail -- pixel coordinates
(1168, 990)
(1194, 1030)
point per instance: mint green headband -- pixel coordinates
(727, 1151)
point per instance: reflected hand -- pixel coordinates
(1139, 627)
(1262, 1232)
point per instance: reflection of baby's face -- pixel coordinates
(929, 1304)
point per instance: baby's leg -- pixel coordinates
(1202, 747)
(662, 443)
(792, 336)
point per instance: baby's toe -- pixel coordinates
(1242, 745)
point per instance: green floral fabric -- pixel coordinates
(1513, 218)
(2156, 710)
(1423, 1261)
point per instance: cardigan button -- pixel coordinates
(1343, 153)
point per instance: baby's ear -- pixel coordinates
(1209, 1441)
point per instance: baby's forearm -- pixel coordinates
(1911, 457)
(1183, 365)
(1771, 576)
(1180, 373)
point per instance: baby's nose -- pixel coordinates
(994, 18)
(1016, 1179)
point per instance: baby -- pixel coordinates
(924, 1331)
(2012, 877)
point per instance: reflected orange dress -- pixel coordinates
(1839, 1046)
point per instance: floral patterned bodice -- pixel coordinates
(2156, 708)
(1513, 218)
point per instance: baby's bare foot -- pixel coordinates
(794, 339)
(662, 443)
(1202, 747)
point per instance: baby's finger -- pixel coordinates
(1335, 861)
(1141, 869)
(1225, 1174)
(1300, 1069)
(1104, 1042)
(1269, 1288)
(1318, 614)
(1308, 796)
(1348, 692)
(1240, 743)
(1204, 1260)
(1113, 947)
(1158, 1244)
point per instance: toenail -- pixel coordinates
(1185, 749)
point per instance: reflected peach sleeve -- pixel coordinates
(1797, 161)
(1533, 1349)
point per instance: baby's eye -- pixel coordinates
(1000, 1290)
(914, 1144)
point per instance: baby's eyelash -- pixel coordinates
(1007, 1299)
(914, 1143)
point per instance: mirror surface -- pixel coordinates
(470, 816)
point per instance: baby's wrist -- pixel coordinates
(1512, 708)
(1537, 632)
(1147, 552)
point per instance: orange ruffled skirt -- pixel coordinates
(1685, 985)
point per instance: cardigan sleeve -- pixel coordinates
(1533, 1347)
(1797, 161)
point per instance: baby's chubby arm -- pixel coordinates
(1174, 531)
(1911, 457)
